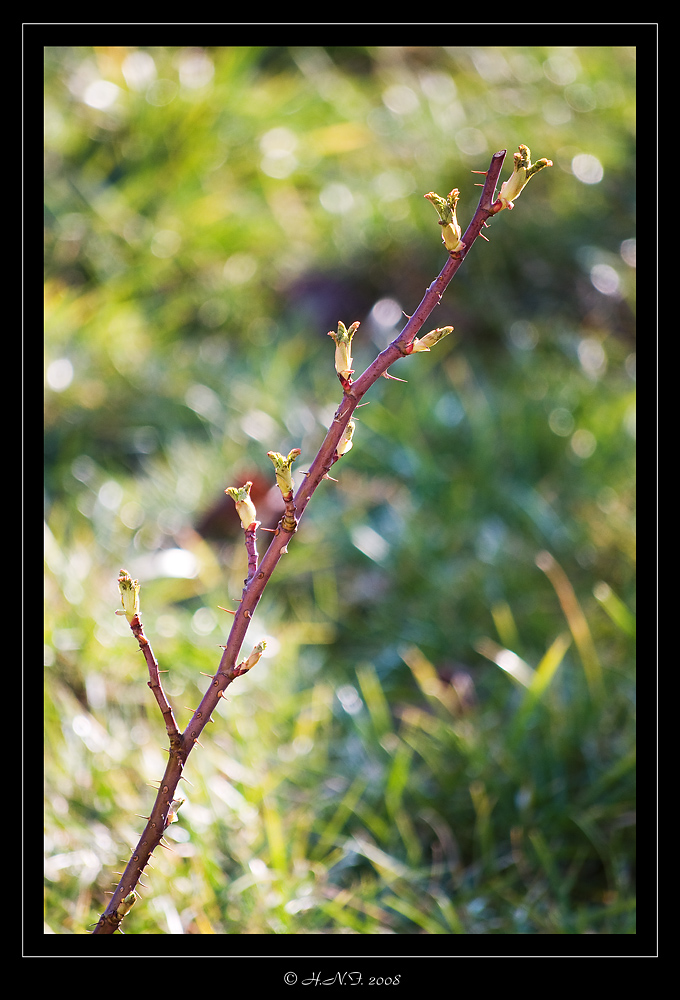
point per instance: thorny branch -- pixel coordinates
(166, 805)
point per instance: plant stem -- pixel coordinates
(258, 577)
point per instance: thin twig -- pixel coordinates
(154, 681)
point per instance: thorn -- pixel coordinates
(227, 609)
(477, 184)
(273, 531)
(331, 478)
(405, 314)
(362, 404)
(479, 172)
(387, 375)
(182, 778)
(141, 817)
(163, 671)
(202, 672)
(153, 782)
(166, 848)
(485, 237)
(200, 744)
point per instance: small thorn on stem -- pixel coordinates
(485, 237)
(479, 172)
(387, 375)
(227, 610)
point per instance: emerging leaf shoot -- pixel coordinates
(343, 348)
(126, 904)
(129, 595)
(345, 442)
(430, 339)
(282, 468)
(245, 507)
(523, 171)
(257, 652)
(173, 810)
(446, 210)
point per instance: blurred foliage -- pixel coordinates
(441, 736)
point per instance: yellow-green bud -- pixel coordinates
(523, 171)
(345, 442)
(343, 347)
(253, 658)
(245, 507)
(282, 468)
(446, 210)
(173, 810)
(126, 904)
(129, 595)
(430, 339)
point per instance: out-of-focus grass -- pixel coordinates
(441, 736)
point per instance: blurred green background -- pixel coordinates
(440, 738)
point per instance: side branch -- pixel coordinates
(154, 681)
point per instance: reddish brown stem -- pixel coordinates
(258, 577)
(251, 549)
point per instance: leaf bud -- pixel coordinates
(245, 507)
(129, 595)
(257, 652)
(430, 339)
(343, 347)
(523, 171)
(282, 468)
(446, 210)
